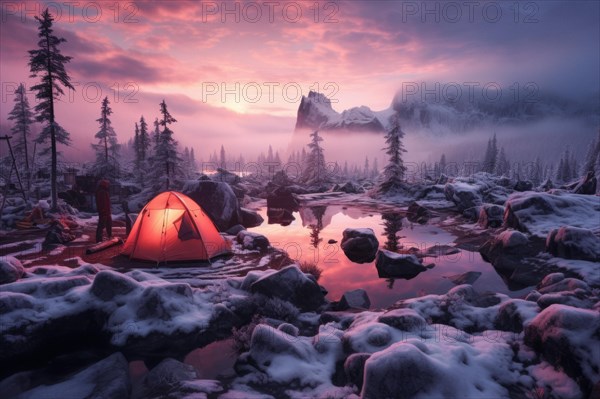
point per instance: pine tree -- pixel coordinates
(491, 155)
(345, 169)
(375, 168)
(156, 133)
(559, 171)
(144, 144)
(107, 149)
(48, 63)
(193, 164)
(393, 173)
(23, 117)
(166, 160)
(366, 171)
(314, 166)
(137, 148)
(536, 172)
(502, 164)
(566, 169)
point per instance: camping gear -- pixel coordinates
(172, 227)
(101, 246)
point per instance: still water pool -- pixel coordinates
(307, 238)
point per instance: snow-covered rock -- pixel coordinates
(109, 378)
(292, 285)
(109, 284)
(395, 265)
(587, 184)
(403, 319)
(11, 269)
(282, 198)
(573, 243)
(568, 338)
(252, 241)
(539, 213)
(523, 185)
(165, 378)
(218, 200)
(359, 245)
(465, 196)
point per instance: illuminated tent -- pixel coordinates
(172, 227)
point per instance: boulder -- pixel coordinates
(165, 378)
(108, 284)
(568, 338)
(218, 200)
(507, 250)
(252, 241)
(108, 378)
(354, 367)
(348, 188)
(250, 218)
(463, 195)
(405, 319)
(538, 213)
(290, 284)
(360, 245)
(282, 198)
(233, 230)
(573, 243)
(400, 371)
(417, 213)
(394, 265)
(513, 313)
(491, 215)
(11, 269)
(355, 299)
(587, 185)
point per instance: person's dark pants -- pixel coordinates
(104, 221)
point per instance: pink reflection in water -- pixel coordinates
(306, 239)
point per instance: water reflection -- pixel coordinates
(306, 239)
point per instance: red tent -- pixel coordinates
(172, 227)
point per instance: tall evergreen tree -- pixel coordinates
(166, 159)
(592, 153)
(502, 164)
(144, 140)
(23, 118)
(393, 173)
(443, 164)
(222, 160)
(107, 149)
(137, 149)
(314, 165)
(48, 63)
(366, 171)
(491, 155)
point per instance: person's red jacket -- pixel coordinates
(103, 198)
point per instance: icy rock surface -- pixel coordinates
(11, 269)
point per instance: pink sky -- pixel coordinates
(357, 53)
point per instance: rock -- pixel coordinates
(463, 195)
(441, 250)
(250, 218)
(511, 316)
(538, 213)
(165, 378)
(354, 367)
(404, 319)
(491, 215)
(332, 241)
(360, 245)
(11, 269)
(292, 285)
(109, 378)
(443, 179)
(348, 188)
(156, 301)
(464, 278)
(252, 241)
(234, 230)
(507, 250)
(568, 338)
(47, 288)
(218, 200)
(523, 185)
(394, 265)
(417, 213)
(281, 178)
(11, 301)
(565, 284)
(355, 299)
(400, 371)
(282, 198)
(573, 243)
(587, 185)
(108, 284)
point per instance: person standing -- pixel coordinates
(104, 212)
